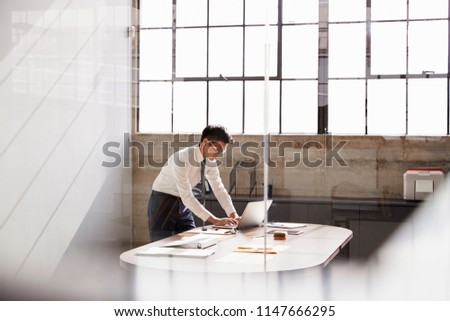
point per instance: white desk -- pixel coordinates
(315, 247)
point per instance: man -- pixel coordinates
(172, 201)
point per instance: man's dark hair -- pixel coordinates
(218, 133)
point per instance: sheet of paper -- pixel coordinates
(283, 225)
(289, 232)
(251, 258)
(216, 231)
(245, 258)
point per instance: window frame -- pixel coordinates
(322, 56)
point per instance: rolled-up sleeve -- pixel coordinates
(213, 175)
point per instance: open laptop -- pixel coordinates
(252, 216)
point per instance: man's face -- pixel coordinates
(212, 148)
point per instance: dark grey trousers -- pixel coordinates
(167, 216)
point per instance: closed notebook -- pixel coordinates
(199, 241)
(177, 252)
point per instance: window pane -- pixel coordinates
(299, 107)
(226, 12)
(225, 52)
(225, 104)
(255, 41)
(346, 111)
(155, 64)
(191, 53)
(388, 9)
(155, 107)
(427, 107)
(388, 47)
(386, 106)
(347, 50)
(419, 9)
(255, 11)
(428, 46)
(189, 107)
(347, 10)
(300, 51)
(191, 13)
(156, 13)
(254, 107)
(295, 11)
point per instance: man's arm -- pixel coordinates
(180, 172)
(219, 190)
(184, 187)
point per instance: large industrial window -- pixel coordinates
(335, 66)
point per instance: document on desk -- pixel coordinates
(253, 249)
(283, 225)
(195, 246)
(214, 231)
(245, 258)
(252, 253)
(289, 232)
(180, 252)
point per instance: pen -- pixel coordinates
(268, 250)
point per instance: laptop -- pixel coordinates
(252, 216)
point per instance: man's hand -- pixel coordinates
(235, 216)
(222, 221)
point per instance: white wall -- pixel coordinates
(64, 91)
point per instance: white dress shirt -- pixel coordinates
(183, 171)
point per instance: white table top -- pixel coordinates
(315, 247)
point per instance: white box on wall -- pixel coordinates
(418, 183)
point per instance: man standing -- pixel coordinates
(172, 201)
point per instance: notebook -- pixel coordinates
(197, 241)
(252, 216)
(174, 251)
